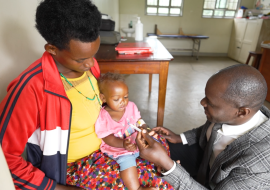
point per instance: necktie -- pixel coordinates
(202, 172)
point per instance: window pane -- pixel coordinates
(232, 4)
(221, 4)
(164, 2)
(175, 11)
(163, 10)
(219, 13)
(209, 4)
(207, 12)
(230, 13)
(176, 3)
(151, 10)
(151, 2)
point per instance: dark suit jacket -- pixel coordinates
(244, 164)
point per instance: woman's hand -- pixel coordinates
(63, 187)
(153, 151)
(129, 146)
(168, 134)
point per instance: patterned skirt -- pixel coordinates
(98, 171)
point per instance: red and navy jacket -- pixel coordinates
(36, 111)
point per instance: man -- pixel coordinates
(232, 149)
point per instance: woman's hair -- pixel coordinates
(109, 77)
(59, 21)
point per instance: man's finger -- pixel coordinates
(152, 133)
(140, 141)
(165, 136)
(156, 129)
(147, 137)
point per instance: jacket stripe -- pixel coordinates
(11, 94)
(21, 186)
(48, 185)
(48, 140)
(23, 181)
(56, 94)
(14, 103)
(63, 180)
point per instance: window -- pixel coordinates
(164, 7)
(220, 8)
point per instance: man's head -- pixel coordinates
(234, 95)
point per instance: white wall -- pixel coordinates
(21, 43)
(218, 30)
(109, 7)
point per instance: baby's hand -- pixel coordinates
(129, 146)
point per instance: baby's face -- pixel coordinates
(116, 95)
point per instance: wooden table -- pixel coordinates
(157, 63)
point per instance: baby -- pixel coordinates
(114, 127)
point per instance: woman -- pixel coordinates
(52, 107)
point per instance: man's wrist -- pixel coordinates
(183, 138)
(170, 170)
(169, 164)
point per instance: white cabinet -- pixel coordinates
(247, 36)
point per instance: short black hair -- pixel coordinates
(246, 86)
(109, 77)
(59, 21)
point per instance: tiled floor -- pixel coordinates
(185, 88)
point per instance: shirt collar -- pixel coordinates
(237, 130)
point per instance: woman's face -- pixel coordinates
(116, 95)
(77, 59)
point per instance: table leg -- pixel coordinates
(193, 47)
(198, 50)
(150, 82)
(163, 75)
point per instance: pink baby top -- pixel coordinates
(106, 126)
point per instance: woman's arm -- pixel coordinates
(20, 118)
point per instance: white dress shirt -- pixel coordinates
(228, 133)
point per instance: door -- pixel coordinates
(238, 32)
(250, 39)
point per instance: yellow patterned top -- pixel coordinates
(83, 139)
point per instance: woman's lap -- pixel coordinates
(98, 171)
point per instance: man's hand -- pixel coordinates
(63, 187)
(153, 151)
(128, 146)
(168, 134)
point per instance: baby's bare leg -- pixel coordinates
(130, 178)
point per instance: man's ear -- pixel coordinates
(243, 112)
(102, 97)
(51, 49)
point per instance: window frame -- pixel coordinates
(223, 9)
(169, 7)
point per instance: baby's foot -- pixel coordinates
(148, 188)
